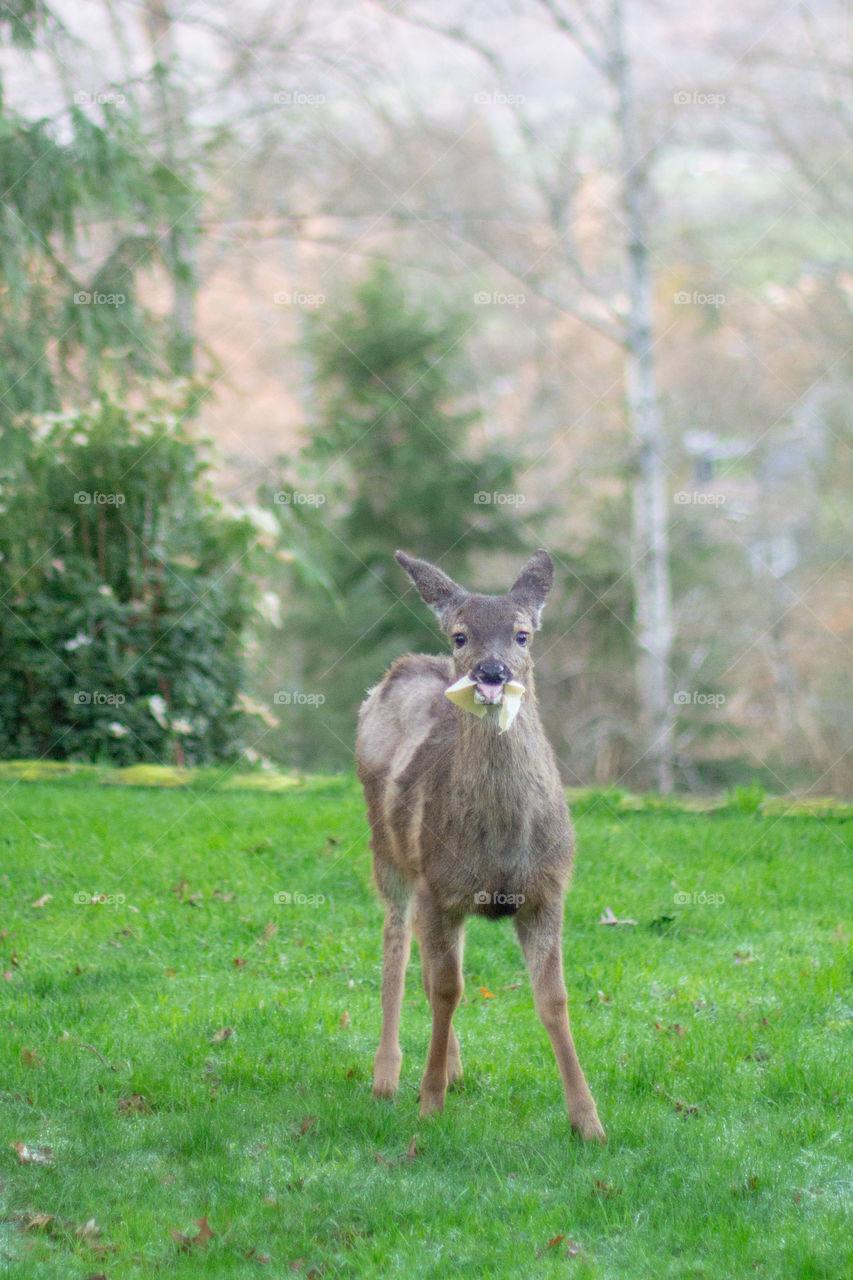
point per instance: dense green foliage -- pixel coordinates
(193, 1044)
(124, 591)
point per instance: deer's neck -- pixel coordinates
(485, 757)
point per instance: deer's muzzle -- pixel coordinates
(489, 677)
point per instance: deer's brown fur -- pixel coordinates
(467, 820)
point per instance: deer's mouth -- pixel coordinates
(488, 692)
(477, 696)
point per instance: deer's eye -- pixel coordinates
(522, 638)
(459, 639)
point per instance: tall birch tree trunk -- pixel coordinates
(649, 516)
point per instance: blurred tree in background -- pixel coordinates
(391, 463)
(85, 203)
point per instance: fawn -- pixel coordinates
(468, 817)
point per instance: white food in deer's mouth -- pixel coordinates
(465, 693)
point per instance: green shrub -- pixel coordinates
(124, 591)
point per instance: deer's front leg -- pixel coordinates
(441, 945)
(396, 942)
(540, 938)
(454, 1057)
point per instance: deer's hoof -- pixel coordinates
(431, 1103)
(384, 1087)
(589, 1126)
(386, 1074)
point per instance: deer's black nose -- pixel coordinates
(491, 671)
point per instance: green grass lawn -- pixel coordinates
(194, 1050)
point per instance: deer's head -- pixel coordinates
(490, 635)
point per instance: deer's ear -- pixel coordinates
(437, 590)
(533, 584)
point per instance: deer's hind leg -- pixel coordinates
(396, 944)
(454, 1059)
(540, 938)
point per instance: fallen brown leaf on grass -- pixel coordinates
(684, 1108)
(134, 1104)
(46, 897)
(552, 1243)
(607, 917)
(573, 1249)
(238, 963)
(33, 1155)
(345, 1018)
(743, 957)
(38, 1221)
(224, 1033)
(412, 1153)
(181, 890)
(205, 1232)
(200, 1240)
(605, 1189)
(31, 1058)
(263, 1258)
(305, 1124)
(87, 1230)
(486, 993)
